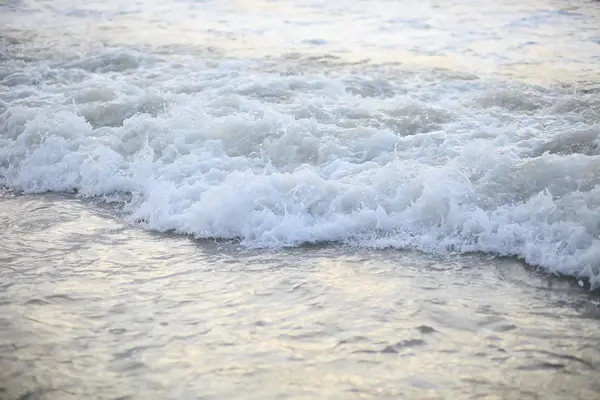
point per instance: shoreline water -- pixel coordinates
(87, 294)
(362, 161)
(115, 210)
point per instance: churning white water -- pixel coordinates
(446, 128)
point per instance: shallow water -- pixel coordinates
(347, 194)
(93, 308)
(289, 148)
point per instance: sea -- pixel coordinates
(299, 199)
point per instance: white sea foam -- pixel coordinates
(279, 155)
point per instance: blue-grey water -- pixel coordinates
(299, 199)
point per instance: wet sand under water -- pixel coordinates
(92, 307)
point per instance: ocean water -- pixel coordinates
(299, 199)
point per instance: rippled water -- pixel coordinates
(299, 199)
(93, 308)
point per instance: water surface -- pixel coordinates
(299, 199)
(93, 308)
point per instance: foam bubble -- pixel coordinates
(429, 162)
